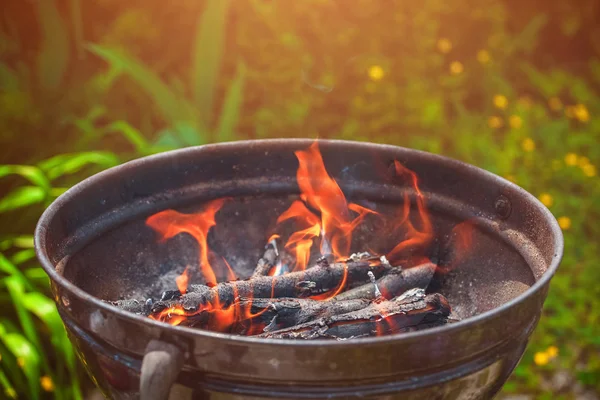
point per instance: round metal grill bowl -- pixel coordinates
(93, 245)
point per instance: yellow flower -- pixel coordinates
(571, 159)
(583, 161)
(483, 56)
(581, 113)
(376, 73)
(552, 351)
(541, 358)
(495, 122)
(554, 103)
(515, 121)
(589, 170)
(47, 383)
(500, 101)
(456, 68)
(564, 223)
(546, 199)
(528, 145)
(444, 45)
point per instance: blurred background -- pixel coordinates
(511, 86)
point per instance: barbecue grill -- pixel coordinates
(95, 246)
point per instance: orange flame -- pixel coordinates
(322, 193)
(170, 223)
(461, 245)
(301, 241)
(416, 235)
(182, 280)
(322, 216)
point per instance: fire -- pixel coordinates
(300, 242)
(183, 280)
(419, 234)
(170, 223)
(460, 246)
(332, 219)
(324, 222)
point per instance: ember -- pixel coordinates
(340, 295)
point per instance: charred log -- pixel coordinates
(402, 314)
(322, 278)
(131, 305)
(267, 262)
(394, 283)
(286, 312)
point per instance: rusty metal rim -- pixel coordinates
(49, 268)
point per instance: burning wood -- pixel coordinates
(267, 261)
(405, 313)
(286, 312)
(341, 296)
(394, 283)
(317, 280)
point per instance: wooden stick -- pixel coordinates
(285, 312)
(267, 261)
(380, 318)
(393, 284)
(319, 279)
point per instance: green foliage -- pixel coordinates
(207, 55)
(512, 88)
(31, 366)
(54, 54)
(45, 174)
(189, 121)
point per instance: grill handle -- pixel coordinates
(160, 368)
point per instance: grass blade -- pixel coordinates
(207, 55)
(36, 273)
(20, 241)
(31, 173)
(172, 108)
(53, 57)
(9, 364)
(132, 135)
(7, 387)
(21, 257)
(45, 310)
(11, 270)
(22, 197)
(27, 358)
(65, 164)
(230, 113)
(16, 290)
